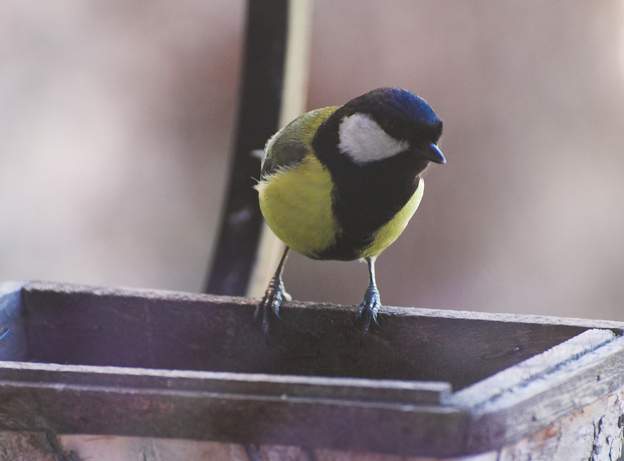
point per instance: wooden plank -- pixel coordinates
(543, 389)
(358, 426)
(220, 381)
(280, 386)
(389, 311)
(491, 391)
(150, 329)
(592, 432)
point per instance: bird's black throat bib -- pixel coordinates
(365, 197)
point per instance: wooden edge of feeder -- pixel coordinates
(386, 311)
(527, 397)
(272, 420)
(490, 391)
(251, 384)
(423, 418)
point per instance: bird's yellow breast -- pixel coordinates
(389, 232)
(297, 205)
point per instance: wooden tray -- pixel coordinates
(82, 360)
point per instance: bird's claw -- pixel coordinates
(368, 310)
(270, 305)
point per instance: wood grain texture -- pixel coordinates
(496, 391)
(566, 385)
(259, 385)
(149, 364)
(150, 329)
(590, 433)
(428, 430)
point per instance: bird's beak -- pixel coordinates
(434, 154)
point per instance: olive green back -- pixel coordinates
(289, 146)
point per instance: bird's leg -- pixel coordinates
(274, 296)
(369, 307)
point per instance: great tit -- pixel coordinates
(342, 183)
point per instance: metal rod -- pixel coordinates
(258, 118)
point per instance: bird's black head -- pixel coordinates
(386, 124)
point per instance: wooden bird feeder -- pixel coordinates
(432, 383)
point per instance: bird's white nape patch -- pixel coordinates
(362, 139)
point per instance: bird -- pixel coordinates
(342, 183)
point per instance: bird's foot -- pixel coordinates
(368, 310)
(269, 307)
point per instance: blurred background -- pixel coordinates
(116, 120)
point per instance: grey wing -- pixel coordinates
(286, 148)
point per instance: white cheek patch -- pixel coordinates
(362, 139)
